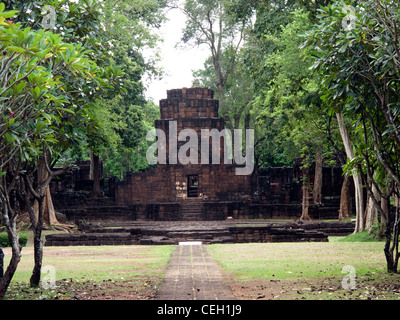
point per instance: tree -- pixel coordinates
(42, 123)
(212, 23)
(115, 134)
(78, 23)
(40, 74)
(117, 130)
(272, 89)
(360, 71)
(236, 96)
(294, 109)
(359, 195)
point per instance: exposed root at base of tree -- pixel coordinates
(23, 222)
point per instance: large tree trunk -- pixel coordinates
(345, 199)
(359, 198)
(306, 196)
(95, 174)
(391, 233)
(37, 246)
(371, 212)
(1, 262)
(317, 189)
(360, 223)
(49, 214)
(9, 221)
(12, 267)
(43, 211)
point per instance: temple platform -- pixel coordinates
(207, 232)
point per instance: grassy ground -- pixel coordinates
(98, 272)
(308, 270)
(254, 271)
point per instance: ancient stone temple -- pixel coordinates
(205, 201)
(187, 109)
(194, 189)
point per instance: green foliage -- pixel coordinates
(359, 78)
(103, 112)
(360, 81)
(110, 103)
(5, 242)
(120, 120)
(364, 236)
(270, 87)
(38, 102)
(291, 114)
(118, 134)
(76, 21)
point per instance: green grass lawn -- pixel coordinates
(81, 269)
(294, 261)
(307, 270)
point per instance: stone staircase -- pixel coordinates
(192, 210)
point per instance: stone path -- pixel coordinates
(192, 274)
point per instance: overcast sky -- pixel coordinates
(177, 63)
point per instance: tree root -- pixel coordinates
(23, 222)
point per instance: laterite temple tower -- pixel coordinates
(175, 191)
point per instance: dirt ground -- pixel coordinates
(384, 287)
(144, 287)
(140, 289)
(273, 289)
(126, 273)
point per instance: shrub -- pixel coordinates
(5, 242)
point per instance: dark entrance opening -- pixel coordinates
(193, 185)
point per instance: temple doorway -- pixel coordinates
(193, 185)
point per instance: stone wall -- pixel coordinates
(267, 234)
(189, 103)
(250, 210)
(157, 193)
(195, 109)
(218, 232)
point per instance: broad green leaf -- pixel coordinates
(16, 49)
(39, 126)
(343, 48)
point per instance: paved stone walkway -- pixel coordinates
(192, 274)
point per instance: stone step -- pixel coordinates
(192, 210)
(157, 240)
(90, 239)
(195, 209)
(206, 234)
(111, 233)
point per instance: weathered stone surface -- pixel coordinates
(150, 233)
(162, 193)
(195, 109)
(192, 274)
